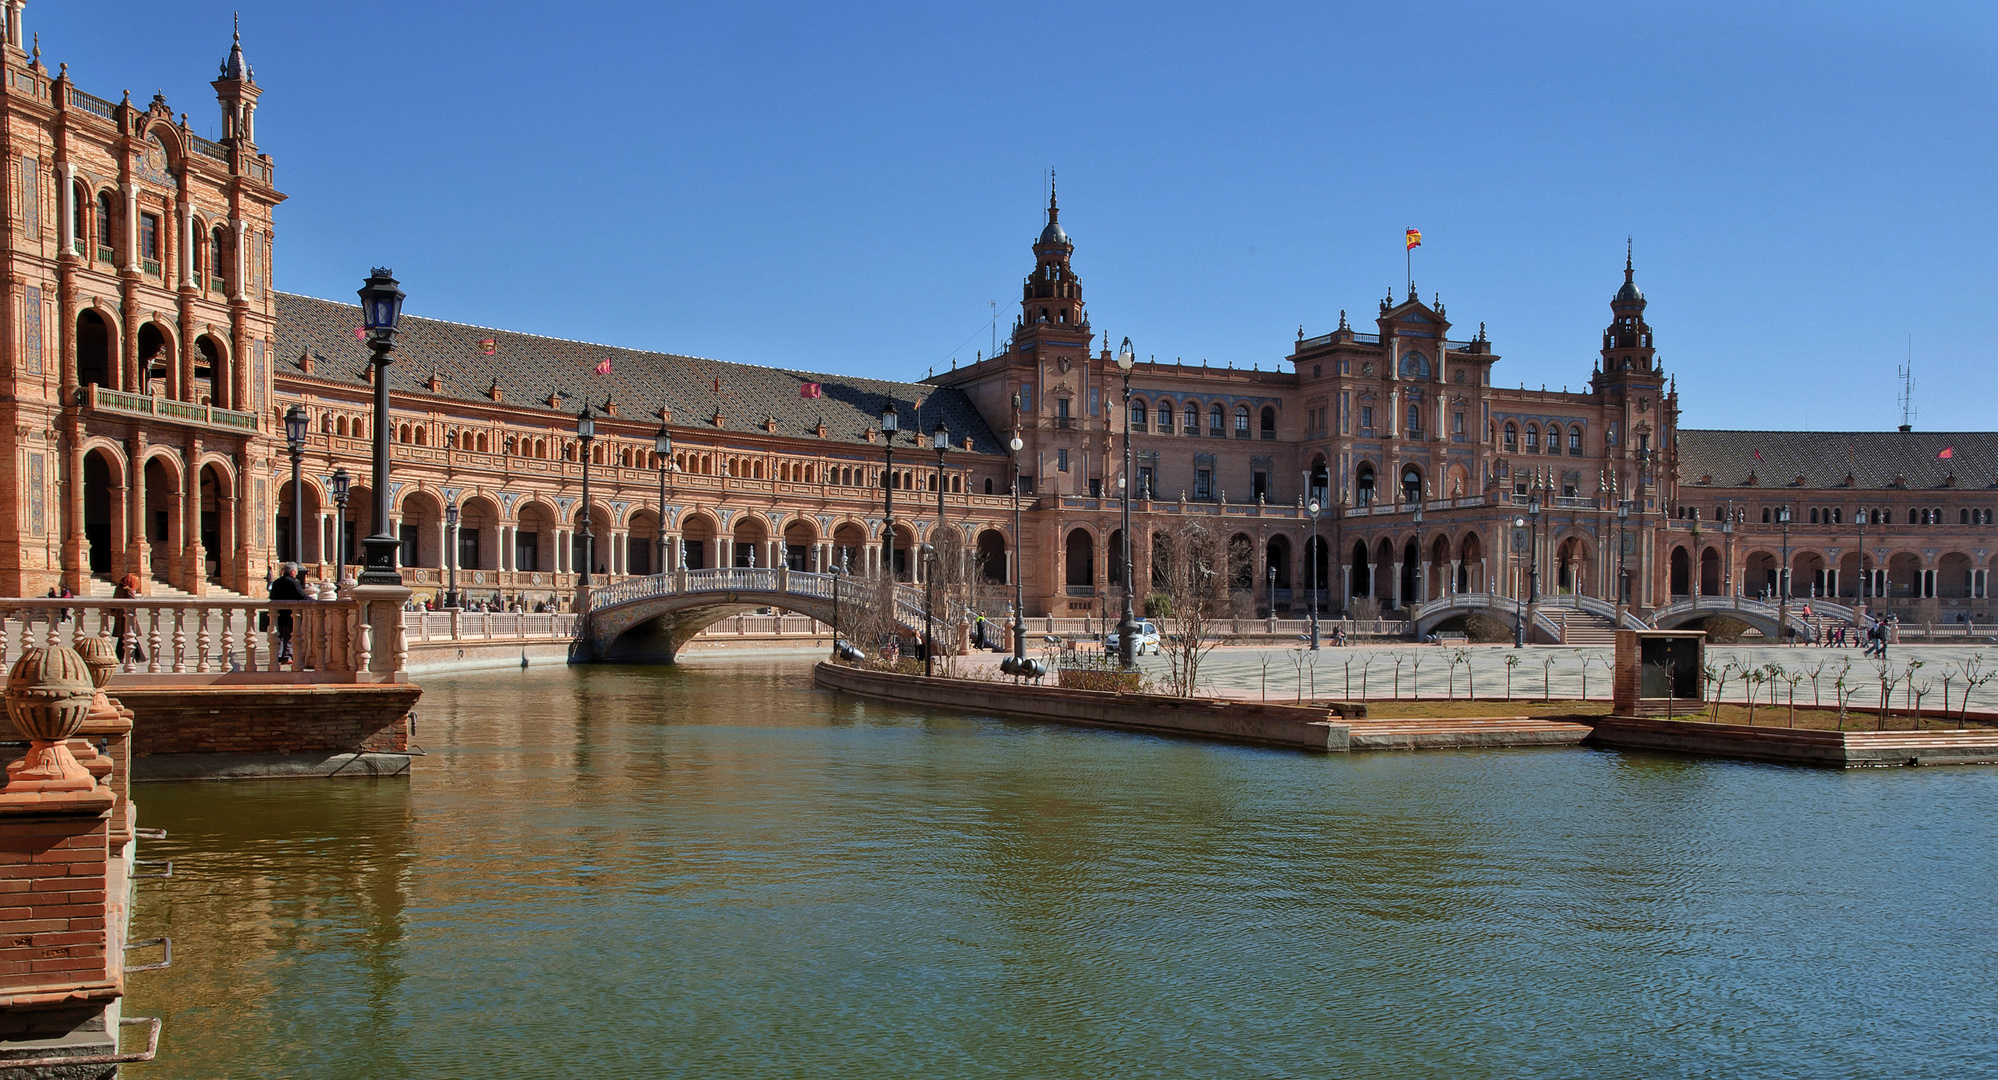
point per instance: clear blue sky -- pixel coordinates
(844, 187)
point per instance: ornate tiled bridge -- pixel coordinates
(650, 618)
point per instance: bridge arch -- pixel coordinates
(648, 620)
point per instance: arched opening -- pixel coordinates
(1439, 581)
(641, 543)
(155, 361)
(1277, 556)
(1710, 572)
(1411, 485)
(421, 532)
(534, 539)
(799, 541)
(1363, 485)
(1682, 572)
(478, 534)
(1113, 559)
(1759, 574)
(850, 548)
(905, 547)
(218, 521)
(1904, 575)
(307, 550)
(1807, 574)
(1568, 566)
(1080, 562)
(1471, 564)
(697, 538)
(211, 373)
(93, 351)
(1363, 577)
(1241, 563)
(1411, 561)
(1317, 582)
(1269, 422)
(992, 567)
(1953, 578)
(747, 536)
(1386, 581)
(103, 510)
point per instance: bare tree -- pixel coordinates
(1196, 588)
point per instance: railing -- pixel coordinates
(909, 598)
(179, 640)
(144, 405)
(207, 148)
(92, 104)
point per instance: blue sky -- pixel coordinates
(845, 188)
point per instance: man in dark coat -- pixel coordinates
(286, 588)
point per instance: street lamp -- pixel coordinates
(342, 483)
(451, 598)
(381, 307)
(891, 423)
(1622, 571)
(1127, 627)
(662, 444)
(295, 424)
(940, 442)
(1019, 586)
(1783, 577)
(1311, 571)
(1533, 556)
(586, 433)
(1420, 595)
(928, 554)
(1518, 621)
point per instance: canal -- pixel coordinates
(713, 870)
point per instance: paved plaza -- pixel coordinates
(1387, 672)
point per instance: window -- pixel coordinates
(1191, 415)
(1364, 486)
(1367, 418)
(1217, 421)
(1345, 413)
(1095, 400)
(1457, 423)
(1061, 461)
(1165, 417)
(1203, 484)
(1139, 414)
(1574, 442)
(1095, 487)
(1554, 439)
(1532, 439)
(1241, 421)
(1411, 486)
(1061, 408)
(1269, 422)
(105, 247)
(1511, 438)
(149, 237)
(1414, 421)
(1259, 484)
(1765, 515)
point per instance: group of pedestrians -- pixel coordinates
(1872, 638)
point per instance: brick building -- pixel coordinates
(150, 362)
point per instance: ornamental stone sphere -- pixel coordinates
(49, 694)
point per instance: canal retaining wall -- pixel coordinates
(1292, 726)
(1799, 746)
(201, 732)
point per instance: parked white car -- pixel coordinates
(1147, 639)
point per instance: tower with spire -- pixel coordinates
(1052, 295)
(237, 90)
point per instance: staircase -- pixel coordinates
(1582, 627)
(103, 586)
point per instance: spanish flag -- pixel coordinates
(1414, 239)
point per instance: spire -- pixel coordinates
(1054, 211)
(1626, 257)
(235, 69)
(1630, 291)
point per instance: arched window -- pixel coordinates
(988, 485)
(106, 245)
(1532, 439)
(1411, 485)
(218, 261)
(1192, 418)
(1511, 437)
(1269, 422)
(1241, 421)
(1414, 366)
(1554, 439)
(1165, 417)
(1363, 488)
(1140, 413)
(1217, 420)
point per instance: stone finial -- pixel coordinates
(49, 694)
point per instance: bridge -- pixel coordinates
(1552, 613)
(648, 619)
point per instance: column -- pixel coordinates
(565, 551)
(1397, 583)
(1345, 586)
(68, 202)
(186, 260)
(238, 262)
(1451, 590)
(131, 231)
(194, 560)
(136, 554)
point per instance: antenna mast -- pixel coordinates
(1906, 398)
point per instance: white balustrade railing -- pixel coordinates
(248, 640)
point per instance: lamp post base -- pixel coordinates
(378, 561)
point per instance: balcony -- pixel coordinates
(119, 403)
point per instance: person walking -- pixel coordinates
(286, 588)
(128, 589)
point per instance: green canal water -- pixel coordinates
(715, 871)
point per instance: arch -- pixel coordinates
(1241, 562)
(1682, 571)
(801, 539)
(1320, 481)
(1412, 487)
(1710, 572)
(309, 546)
(850, 547)
(104, 522)
(534, 539)
(1113, 558)
(1276, 556)
(216, 519)
(1439, 578)
(1758, 577)
(992, 567)
(1217, 419)
(1532, 445)
(212, 374)
(157, 372)
(1807, 573)
(421, 531)
(1904, 575)
(96, 354)
(478, 533)
(1079, 559)
(1410, 558)
(1165, 416)
(1953, 577)
(1269, 422)
(1364, 485)
(1190, 414)
(747, 534)
(1471, 563)
(1511, 442)
(1363, 570)
(1241, 421)
(1572, 559)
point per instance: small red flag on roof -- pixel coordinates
(1947, 452)
(360, 333)
(603, 366)
(809, 390)
(1758, 455)
(488, 346)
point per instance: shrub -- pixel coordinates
(1158, 606)
(1484, 628)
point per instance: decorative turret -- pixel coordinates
(237, 90)
(1052, 294)
(1627, 341)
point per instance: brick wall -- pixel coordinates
(53, 866)
(269, 720)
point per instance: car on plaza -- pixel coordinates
(1147, 639)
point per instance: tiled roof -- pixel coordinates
(1823, 458)
(530, 368)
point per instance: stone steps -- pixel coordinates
(104, 587)
(1446, 733)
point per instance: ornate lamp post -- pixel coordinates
(928, 554)
(1311, 570)
(586, 433)
(1127, 626)
(891, 423)
(662, 444)
(342, 484)
(1865, 583)
(1533, 556)
(1420, 595)
(1518, 620)
(451, 598)
(381, 307)
(1019, 584)
(1622, 571)
(295, 424)
(1783, 577)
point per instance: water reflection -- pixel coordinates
(716, 871)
